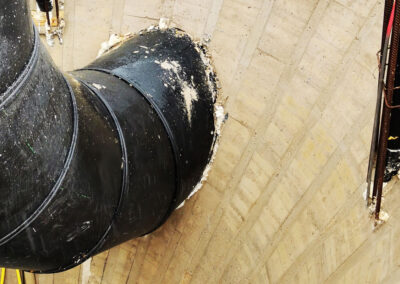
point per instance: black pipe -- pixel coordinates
(16, 41)
(45, 5)
(104, 154)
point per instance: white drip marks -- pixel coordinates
(189, 92)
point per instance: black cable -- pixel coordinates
(23, 276)
(57, 12)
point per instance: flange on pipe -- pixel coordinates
(102, 155)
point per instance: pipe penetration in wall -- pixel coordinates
(101, 155)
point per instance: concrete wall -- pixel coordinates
(283, 203)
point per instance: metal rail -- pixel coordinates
(377, 119)
(385, 120)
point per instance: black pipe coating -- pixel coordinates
(99, 156)
(45, 5)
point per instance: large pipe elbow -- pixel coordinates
(103, 154)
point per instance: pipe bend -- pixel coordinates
(101, 155)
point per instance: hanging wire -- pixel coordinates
(57, 12)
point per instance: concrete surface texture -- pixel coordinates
(284, 199)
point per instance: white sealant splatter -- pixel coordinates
(189, 92)
(169, 65)
(219, 114)
(98, 86)
(114, 41)
(164, 23)
(384, 216)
